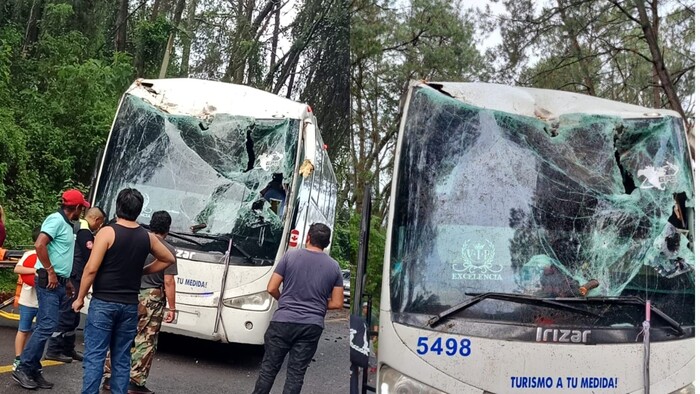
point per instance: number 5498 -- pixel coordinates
(451, 347)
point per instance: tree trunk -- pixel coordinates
(169, 46)
(656, 85)
(576, 49)
(166, 56)
(120, 38)
(155, 10)
(275, 35)
(289, 67)
(32, 33)
(658, 60)
(655, 89)
(246, 30)
(291, 85)
(298, 46)
(187, 40)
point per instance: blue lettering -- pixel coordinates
(532, 382)
(547, 382)
(194, 283)
(598, 383)
(584, 383)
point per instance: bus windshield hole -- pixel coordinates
(249, 149)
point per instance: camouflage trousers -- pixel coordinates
(151, 308)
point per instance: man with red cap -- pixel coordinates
(54, 249)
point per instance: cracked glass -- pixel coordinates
(219, 177)
(584, 206)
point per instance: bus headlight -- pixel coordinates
(251, 302)
(686, 390)
(393, 381)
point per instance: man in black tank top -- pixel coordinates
(114, 271)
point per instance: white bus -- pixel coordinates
(207, 152)
(526, 232)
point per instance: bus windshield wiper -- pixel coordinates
(174, 234)
(519, 298)
(629, 300)
(212, 237)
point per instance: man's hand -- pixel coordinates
(273, 286)
(53, 280)
(78, 304)
(170, 316)
(70, 289)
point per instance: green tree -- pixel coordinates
(58, 103)
(345, 248)
(64, 66)
(631, 51)
(428, 39)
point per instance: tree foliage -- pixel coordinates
(345, 249)
(391, 45)
(65, 64)
(58, 102)
(634, 51)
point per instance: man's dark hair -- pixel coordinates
(129, 204)
(35, 233)
(320, 235)
(160, 222)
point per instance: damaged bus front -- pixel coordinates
(538, 241)
(223, 160)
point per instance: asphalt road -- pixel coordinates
(186, 365)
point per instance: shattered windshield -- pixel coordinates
(488, 201)
(218, 177)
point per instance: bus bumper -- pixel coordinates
(237, 325)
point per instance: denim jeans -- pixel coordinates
(109, 326)
(46, 326)
(67, 323)
(26, 318)
(300, 341)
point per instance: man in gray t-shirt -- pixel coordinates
(163, 279)
(312, 285)
(156, 288)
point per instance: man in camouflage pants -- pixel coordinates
(155, 289)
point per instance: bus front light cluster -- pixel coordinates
(251, 302)
(392, 381)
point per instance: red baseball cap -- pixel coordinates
(74, 197)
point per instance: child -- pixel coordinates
(28, 304)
